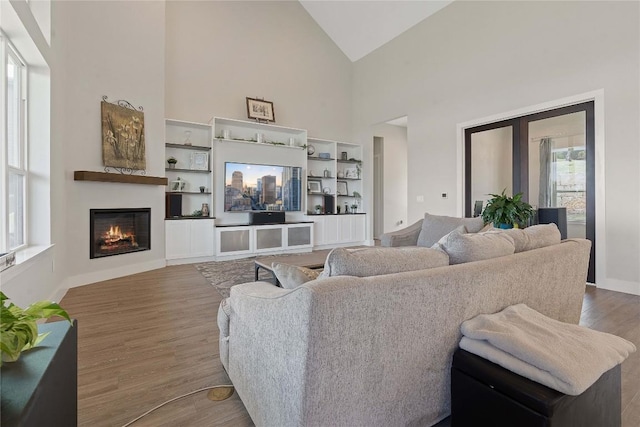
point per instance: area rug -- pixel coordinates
(224, 274)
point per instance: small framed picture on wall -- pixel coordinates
(260, 110)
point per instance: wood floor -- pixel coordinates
(146, 338)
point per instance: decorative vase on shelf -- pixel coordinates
(205, 209)
(187, 137)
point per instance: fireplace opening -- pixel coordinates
(119, 231)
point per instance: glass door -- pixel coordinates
(552, 163)
(558, 168)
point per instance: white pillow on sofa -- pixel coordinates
(467, 247)
(434, 227)
(375, 261)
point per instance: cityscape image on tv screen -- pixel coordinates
(252, 187)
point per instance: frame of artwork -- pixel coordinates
(200, 161)
(341, 188)
(259, 109)
(314, 186)
(123, 142)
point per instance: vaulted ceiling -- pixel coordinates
(360, 27)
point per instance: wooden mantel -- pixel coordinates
(118, 177)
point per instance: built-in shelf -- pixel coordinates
(349, 161)
(324, 159)
(349, 179)
(244, 141)
(188, 170)
(118, 177)
(189, 192)
(187, 147)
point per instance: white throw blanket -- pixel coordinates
(568, 358)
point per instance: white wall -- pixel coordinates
(114, 49)
(220, 52)
(477, 59)
(395, 175)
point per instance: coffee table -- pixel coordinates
(311, 260)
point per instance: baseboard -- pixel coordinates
(58, 294)
(114, 273)
(621, 286)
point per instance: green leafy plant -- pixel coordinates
(502, 209)
(172, 160)
(18, 328)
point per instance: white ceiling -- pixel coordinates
(359, 27)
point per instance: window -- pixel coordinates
(14, 176)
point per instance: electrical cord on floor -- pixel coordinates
(180, 397)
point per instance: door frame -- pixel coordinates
(597, 97)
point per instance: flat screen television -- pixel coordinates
(255, 187)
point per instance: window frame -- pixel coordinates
(7, 50)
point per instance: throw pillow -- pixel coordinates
(534, 237)
(435, 227)
(470, 247)
(292, 276)
(376, 261)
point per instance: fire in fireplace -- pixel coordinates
(119, 231)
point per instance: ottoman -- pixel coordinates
(483, 393)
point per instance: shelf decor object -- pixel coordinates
(260, 110)
(200, 161)
(123, 143)
(314, 186)
(342, 189)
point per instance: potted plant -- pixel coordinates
(318, 209)
(506, 212)
(18, 328)
(172, 162)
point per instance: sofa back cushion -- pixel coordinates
(467, 247)
(364, 262)
(534, 237)
(434, 227)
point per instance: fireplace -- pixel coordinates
(119, 231)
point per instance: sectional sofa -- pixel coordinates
(345, 350)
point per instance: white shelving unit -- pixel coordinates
(194, 163)
(338, 167)
(189, 239)
(335, 166)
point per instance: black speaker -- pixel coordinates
(558, 216)
(173, 205)
(268, 217)
(329, 203)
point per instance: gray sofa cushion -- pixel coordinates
(467, 247)
(435, 227)
(534, 237)
(292, 276)
(375, 261)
